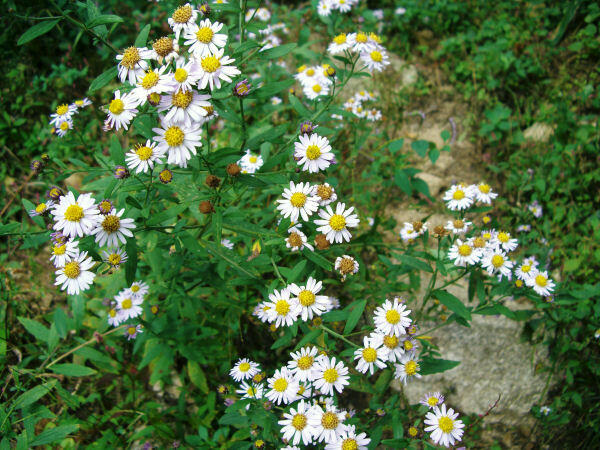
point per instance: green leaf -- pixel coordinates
(142, 38)
(271, 89)
(60, 322)
(72, 370)
(132, 260)
(218, 223)
(277, 52)
(169, 213)
(420, 147)
(37, 30)
(299, 107)
(197, 376)
(103, 19)
(37, 329)
(453, 303)
(217, 251)
(54, 434)
(354, 316)
(103, 79)
(432, 365)
(117, 155)
(402, 181)
(310, 337)
(34, 394)
(415, 263)
(317, 259)
(434, 154)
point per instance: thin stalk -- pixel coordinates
(338, 336)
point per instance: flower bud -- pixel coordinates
(165, 176)
(206, 207)
(321, 242)
(212, 181)
(121, 172)
(233, 170)
(242, 88)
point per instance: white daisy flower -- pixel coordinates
(132, 65)
(391, 346)
(275, 101)
(540, 283)
(339, 44)
(445, 428)
(346, 265)
(183, 19)
(462, 253)
(144, 157)
(139, 288)
(153, 82)
(303, 364)
(408, 233)
(496, 261)
(227, 244)
(327, 424)
(63, 128)
(324, 8)
(74, 276)
(132, 331)
(307, 76)
(185, 76)
(458, 197)
(536, 209)
(335, 226)
(375, 59)
(244, 369)
(215, 67)
(164, 50)
(432, 399)
(295, 427)
(205, 38)
(184, 107)
(115, 317)
(282, 310)
(180, 141)
(129, 304)
(325, 194)
(283, 387)
(316, 89)
(114, 256)
(262, 312)
(392, 317)
(363, 95)
(330, 376)
(75, 217)
(297, 240)
(250, 390)
(407, 367)
(360, 42)
(374, 115)
(370, 356)
(504, 241)
(458, 226)
(297, 201)
(483, 193)
(82, 103)
(64, 113)
(359, 111)
(348, 439)
(122, 110)
(251, 162)
(313, 153)
(409, 343)
(112, 228)
(306, 296)
(64, 252)
(523, 228)
(342, 5)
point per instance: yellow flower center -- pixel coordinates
(432, 401)
(478, 242)
(324, 191)
(349, 444)
(459, 224)
(301, 68)
(390, 341)
(144, 153)
(131, 56)
(210, 64)
(346, 265)
(464, 250)
(295, 240)
(369, 354)
(541, 280)
(337, 222)
(79, 102)
(131, 330)
(525, 269)
(74, 213)
(181, 75)
(408, 345)
(59, 249)
(64, 126)
(306, 298)
(317, 88)
(209, 110)
(114, 259)
(135, 288)
(458, 195)
(497, 261)
(518, 283)
(299, 422)
(392, 316)
(305, 362)
(174, 136)
(253, 159)
(282, 307)
(244, 367)
(116, 106)
(126, 304)
(340, 39)
(484, 188)
(310, 72)
(376, 56)
(111, 224)
(72, 269)
(503, 237)
(61, 110)
(446, 424)
(330, 421)
(375, 37)
(280, 385)
(40, 208)
(362, 38)
(150, 79)
(411, 368)
(313, 152)
(298, 199)
(413, 431)
(330, 375)
(251, 391)
(112, 313)
(301, 390)
(182, 14)
(205, 35)
(182, 99)
(163, 46)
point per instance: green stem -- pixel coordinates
(338, 336)
(277, 272)
(244, 137)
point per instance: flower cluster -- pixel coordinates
(316, 81)
(355, 105)
(372, 54)
(62, 119)
(442, 422)
(325, 7)
(126, 306)
(250, 163)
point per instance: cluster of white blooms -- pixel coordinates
(442, 422)
(266, 36)
(126, 306)
(412, 230)
(315, 80)
(356, 106)
(62, 119)
(372, 54)
(325, 7)
(307, 384)
(186, 69)
(489, 248)
(250, 163)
